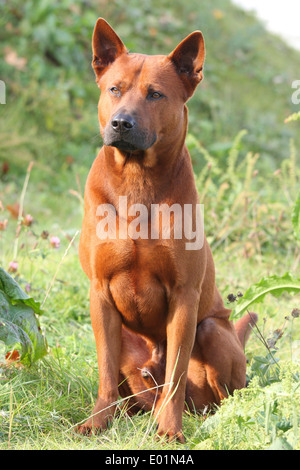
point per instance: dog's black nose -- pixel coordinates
(122, 123)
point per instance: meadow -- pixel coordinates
(245, 153)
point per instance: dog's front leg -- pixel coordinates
(181, 330)
(107, 327)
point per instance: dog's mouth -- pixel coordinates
(129, 147)
(124, 146)
(133, 141)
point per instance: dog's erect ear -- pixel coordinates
(107, 46)
(188, 58)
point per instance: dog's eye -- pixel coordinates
(156, 95)
(145, 374)
(114, 90)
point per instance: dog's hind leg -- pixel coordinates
(219, 350)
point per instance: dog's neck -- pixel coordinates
(132, 176)
(146, 177)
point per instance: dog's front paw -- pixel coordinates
(85, 429)
(170, 435)
(102, 414)
(169, 422)
(91, 427)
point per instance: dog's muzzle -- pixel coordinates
(124, 133)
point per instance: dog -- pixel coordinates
(151, 296)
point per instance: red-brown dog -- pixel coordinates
(152, 281)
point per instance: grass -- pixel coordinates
(248, 76)
(247, 174)
(41, 405)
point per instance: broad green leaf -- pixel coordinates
(15, 293)
(19, 325)
(274, 285)
(15, 338)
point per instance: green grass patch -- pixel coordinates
(245, 160)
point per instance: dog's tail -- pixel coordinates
(244, 325)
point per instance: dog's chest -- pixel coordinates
(141, 276)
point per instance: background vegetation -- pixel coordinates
(245, 163)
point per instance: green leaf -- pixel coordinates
(15, 293)
(15, 338)
(19, 325)
(274, 285)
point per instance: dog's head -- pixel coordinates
(143, 97)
